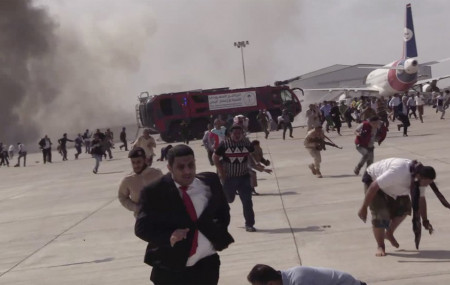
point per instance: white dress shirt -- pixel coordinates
(200, 194)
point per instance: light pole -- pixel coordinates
(242, 45)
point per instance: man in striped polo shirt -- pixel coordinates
(234, 173)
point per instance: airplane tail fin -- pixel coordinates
(409, 38)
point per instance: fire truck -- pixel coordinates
(165, 113)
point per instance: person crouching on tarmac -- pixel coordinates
(388, 185)
(314, 144)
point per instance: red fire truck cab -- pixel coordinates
(164, 113)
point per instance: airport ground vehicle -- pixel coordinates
(164, 113)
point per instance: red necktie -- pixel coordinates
(191, 211)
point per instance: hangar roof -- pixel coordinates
(330, 69)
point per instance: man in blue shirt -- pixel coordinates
(326, 113)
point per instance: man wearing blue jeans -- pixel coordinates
(234, 172)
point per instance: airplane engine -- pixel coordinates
(430, 87)
(411, 66)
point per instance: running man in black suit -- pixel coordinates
(184, 218)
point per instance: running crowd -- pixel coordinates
(97, 145)
(184, 215)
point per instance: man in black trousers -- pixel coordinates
(123, 139)
(63, 145)
(46, 146)
(184, 217)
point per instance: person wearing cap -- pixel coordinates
(234, 173)
(184, 217)
(142, 175)
(147, 143)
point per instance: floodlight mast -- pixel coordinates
(241, 45)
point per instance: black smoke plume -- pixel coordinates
(63, 71)
(26, 41)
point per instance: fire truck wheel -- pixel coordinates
(167, 137)
(198, 128)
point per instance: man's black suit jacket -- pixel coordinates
(42, 143)
(162, 211)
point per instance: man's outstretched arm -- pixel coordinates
(370, 194)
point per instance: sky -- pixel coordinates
(98, 55)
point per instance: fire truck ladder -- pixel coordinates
(142, 99)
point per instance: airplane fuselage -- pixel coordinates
(389, 80)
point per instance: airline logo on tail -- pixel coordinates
(409, 45)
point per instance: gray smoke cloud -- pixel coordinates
(27, 40)
(194, 45)
(65, 74)
(92, 58)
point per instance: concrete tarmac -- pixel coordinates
(62, 224)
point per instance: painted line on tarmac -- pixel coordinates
(282, 201)
(57, 236)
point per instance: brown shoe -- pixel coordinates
(319, 175)
(313, 169)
